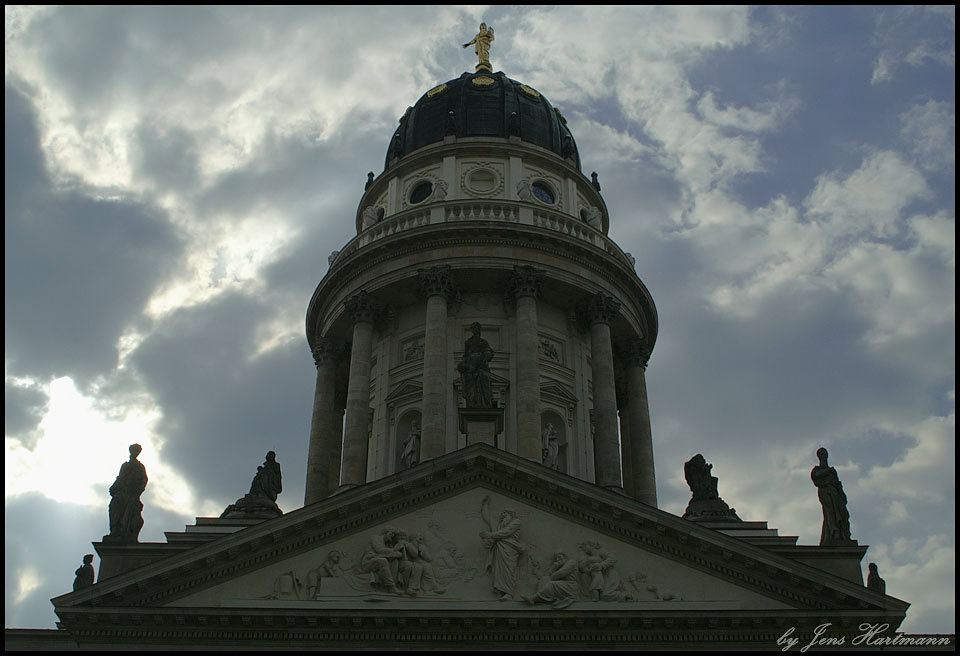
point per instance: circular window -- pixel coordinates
(543, 193)
(421, 192)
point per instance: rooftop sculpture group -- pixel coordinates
(706, 503)
(261, 501)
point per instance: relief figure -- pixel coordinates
(504, 549)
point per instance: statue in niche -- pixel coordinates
(370, 217)
(411, 447)
(503, 547)
(605, 583)
(560, 586)
(85, 574)
(382, 560)
(706, 502)
(551, 447)
(261, 501)
(874, 582)
(836, 519)
(475, 372)
(481, 46)
(592, 216)
(126, 518)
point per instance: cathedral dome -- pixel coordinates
(483, 104)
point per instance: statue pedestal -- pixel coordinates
(481, 424)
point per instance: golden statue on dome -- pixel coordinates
(481, 43)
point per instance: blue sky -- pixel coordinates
(176, 177)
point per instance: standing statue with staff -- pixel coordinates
(481, 46)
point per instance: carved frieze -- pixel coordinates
(411, 349)
(503, 558)
(550, 349)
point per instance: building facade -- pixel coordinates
(480, 468)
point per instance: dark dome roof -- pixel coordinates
(483, 105)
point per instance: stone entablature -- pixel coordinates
(571, 253)
(486, 170)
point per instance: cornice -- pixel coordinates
(591, 258)
(278, 627)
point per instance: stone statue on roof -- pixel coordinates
(126, 518)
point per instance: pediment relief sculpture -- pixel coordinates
(504, 559)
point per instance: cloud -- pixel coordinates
(24, 404)
(57, 324)
(228, 397)
(913, 36)
(871, 199)
(929, 131)
(189, 170)
(744, 119)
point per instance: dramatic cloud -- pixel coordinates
(176, 177)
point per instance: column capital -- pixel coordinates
(362, 307)
(436, 281)
(599, 308)
(636, 353)
(327, 350)
(525, 281)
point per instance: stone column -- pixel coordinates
(626, 460)
(436, 285)
(641, 439)
(353, 469)
(336, 457)
(525, 286)
(600, 310)
(325, 429)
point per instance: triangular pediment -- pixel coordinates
(551, 388)
(619, 555)
(404, 390)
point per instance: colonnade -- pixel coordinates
(631, 448)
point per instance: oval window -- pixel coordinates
(543, 193)
(421, 192)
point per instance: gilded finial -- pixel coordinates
(481, 46)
